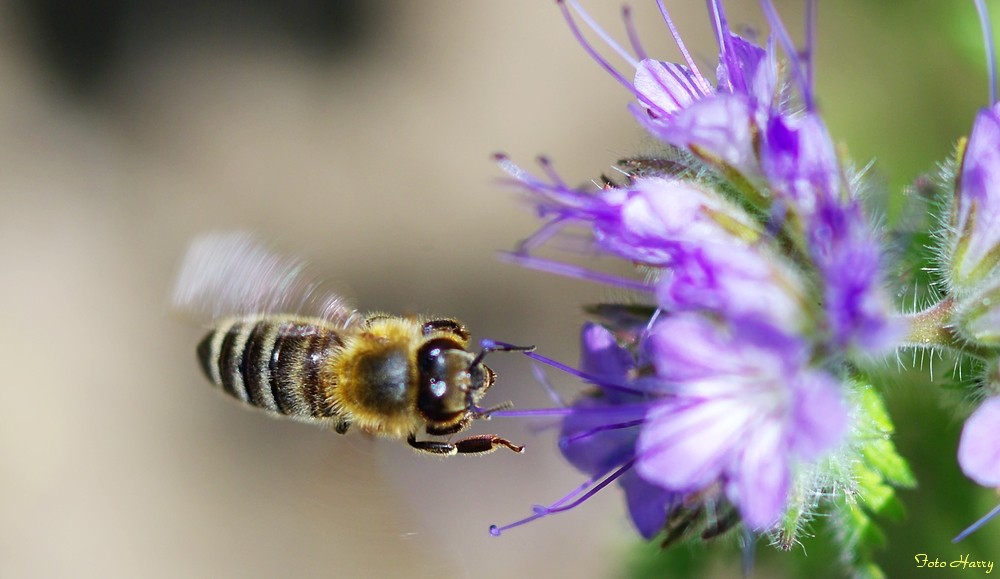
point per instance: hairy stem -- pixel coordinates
(933, 328)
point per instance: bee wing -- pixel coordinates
(235, 274)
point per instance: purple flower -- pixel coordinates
(979, 446)
(780, 156)
(976, 216)
(736, 280)
(655, 218)
(599, 436)
(678, 105)
(716, 254)
(762, 276)
(719, 130)
(648, 221)
(848, 256)
(799, 160)
(745, 408)
(599, 432)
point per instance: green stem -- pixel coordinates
(933, 328)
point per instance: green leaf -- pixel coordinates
(871, 491)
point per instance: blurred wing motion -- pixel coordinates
(234, 274)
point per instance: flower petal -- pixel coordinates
(686, 446)
(979, 446)
(735, 280)
(647, 503)
(589, 442)
(719, 128)
(657, 216)
(756, 67)
(848, 255)
(800, 162)
(600, 354)
(665, 88)
(819, 416)
(978, 202)
(760, 482)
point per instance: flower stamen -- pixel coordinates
(583, 435)
(633, 36)
(991, 58)
(560, 505)
(600, 60)
(794, 59)
(577, 272)
(978, 524)
(703, 84)
(603, 34)
(602, 382)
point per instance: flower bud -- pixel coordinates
(975, 252)
(977, 317)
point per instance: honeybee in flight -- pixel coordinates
(387, 375)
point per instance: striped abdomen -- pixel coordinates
(275, 363)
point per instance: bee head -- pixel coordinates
(450, 379)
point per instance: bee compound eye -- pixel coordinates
(443, 380)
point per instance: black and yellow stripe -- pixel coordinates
(274, 363)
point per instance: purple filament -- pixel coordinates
(560, 505)
(978, 524)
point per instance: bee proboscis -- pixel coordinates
(392, 376)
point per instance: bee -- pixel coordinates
(392, 376)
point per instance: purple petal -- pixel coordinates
(687, 447)
(600, 354)
(719, 128)
(800, 162)
(665, 211)
(587, 442)
(693, 352)
(757, 69)
(685, 347)
(735, 280)
(760, 484)
(979, 198)
(647, 503)
(654, 217)
(848, 255)
(979, 446)
(665, 88)
(819, 416)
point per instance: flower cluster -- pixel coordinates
(728, 390)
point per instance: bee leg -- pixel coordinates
(484, 443)
(481, 444)
(431, 446)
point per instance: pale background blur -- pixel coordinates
(359, 137)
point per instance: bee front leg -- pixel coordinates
(431, 446)
(454, 428)
(484, 443)
(481, 444)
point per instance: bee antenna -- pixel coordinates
(492, 346)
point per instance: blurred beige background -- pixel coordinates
(117, 459)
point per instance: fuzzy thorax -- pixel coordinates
(376, 374)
